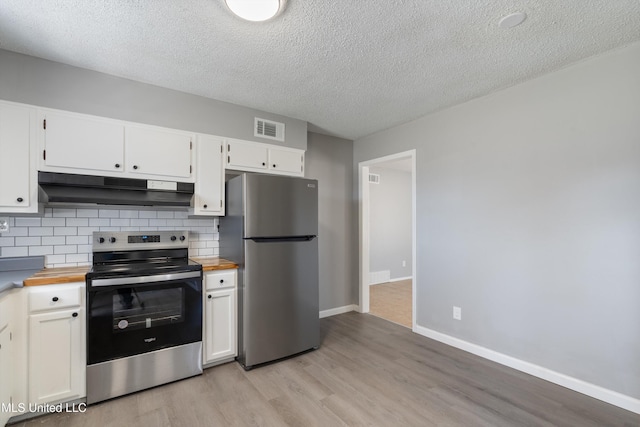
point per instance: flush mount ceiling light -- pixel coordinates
(256, 10)
(512, 20)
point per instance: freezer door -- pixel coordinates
(279, 300)
(280, 206)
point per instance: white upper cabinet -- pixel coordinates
(209, 186)
(89, 145)
(18, 176)
(257, 157)
(243, 155)
(286, 161)
(84, 143)
(157, 151)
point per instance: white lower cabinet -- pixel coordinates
(220, 320)
(6, 376)
(57, 341)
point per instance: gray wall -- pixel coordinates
(330, 161)
(50, 84)
(390, 222)
(528, 204)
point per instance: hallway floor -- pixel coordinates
(392, 301)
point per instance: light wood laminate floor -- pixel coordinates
(367, 372)
(392, 301)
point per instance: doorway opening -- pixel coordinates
(387, 237)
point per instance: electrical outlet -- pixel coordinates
(404, 263)
(457, 313)
(4, 225)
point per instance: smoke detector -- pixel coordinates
(256, 10)
(512, 20)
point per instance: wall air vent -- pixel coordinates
(268, 129)
(374, 178)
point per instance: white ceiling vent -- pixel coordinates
(374, 178)
(268, 129)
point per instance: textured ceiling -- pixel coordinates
(349, 68)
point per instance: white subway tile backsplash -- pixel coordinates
(65, 249)
(7, 241)
(77, 240)
(65, 231)
(64, 235)
(40, 250)
(40, 231)
(28, 222)
(77, 222)
(28, 241)
(55, 240)
(108, 213)
(53, 222)
(87, 213)
(63, 213)
(10, 251)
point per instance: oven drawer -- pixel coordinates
(53, 297)
(220, 279)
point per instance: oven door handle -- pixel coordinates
(136, 280)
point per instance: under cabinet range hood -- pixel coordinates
(88, 189)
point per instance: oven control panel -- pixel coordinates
(134, 240)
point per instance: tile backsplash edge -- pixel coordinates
(63, 235)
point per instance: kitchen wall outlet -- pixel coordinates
(404, 263)
(457, 313)
(4, 225)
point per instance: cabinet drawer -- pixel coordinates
(220, 279)
(49, 297)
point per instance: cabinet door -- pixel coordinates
(246, 155)
(161, 152)
(220, 325)
(6, 382)
(18, 190)
(209, 186)
(82, 142)
(286, 161)
(57, 361)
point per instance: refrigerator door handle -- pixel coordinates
(282, 239)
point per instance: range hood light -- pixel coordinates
(256, 10)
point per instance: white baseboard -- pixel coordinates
(401, 278)
(618, 399)
(338, 310)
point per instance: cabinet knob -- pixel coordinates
(20, 199)
(221, 280)
(205, 206)
(54, 299)
(117, 165)
(274, 165)
(135, 166)
(264, 164)
(210, 296)
(75, 314)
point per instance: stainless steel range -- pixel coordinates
(144, 312)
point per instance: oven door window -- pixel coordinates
(134, 309)
(133, 319)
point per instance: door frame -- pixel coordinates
(364, 225)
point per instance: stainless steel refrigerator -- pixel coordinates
(270, 230)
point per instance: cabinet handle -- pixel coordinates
(117, 165)
(54, 299)
(20, 199)
(205, 206)
(210, 296)
(75, 314)
(135, 166)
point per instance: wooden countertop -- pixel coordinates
(52, 276)
(215, 263)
